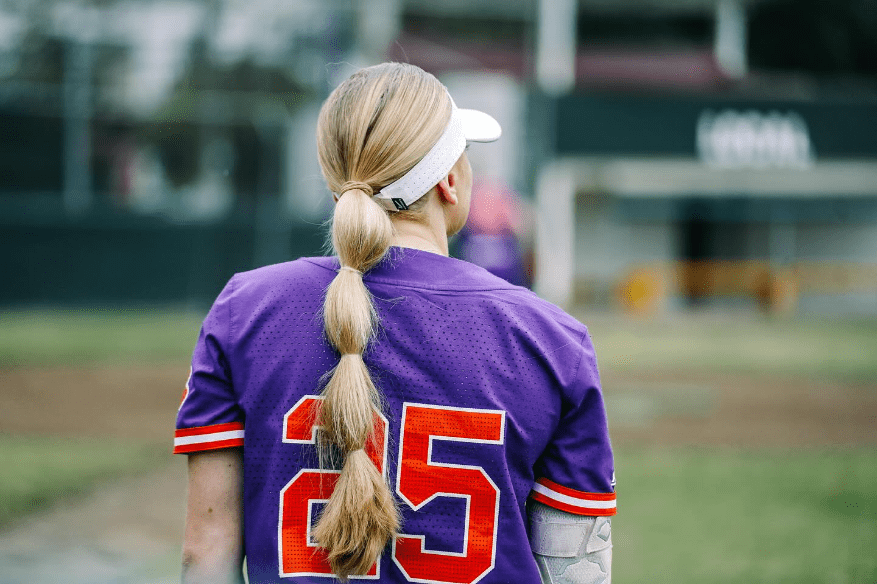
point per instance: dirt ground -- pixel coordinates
(739, 410)
(139, 403)
(129, 531)
(124, 532)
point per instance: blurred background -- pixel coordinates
(695, 180)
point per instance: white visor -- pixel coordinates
(466, 125)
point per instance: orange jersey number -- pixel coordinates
(419, 480)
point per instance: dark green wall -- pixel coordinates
(121, 259)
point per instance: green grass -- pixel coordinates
(65, 337)
(843, 350)
(723, 516)
(36, 471)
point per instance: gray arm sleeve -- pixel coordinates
(570, 549)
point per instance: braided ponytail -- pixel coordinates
(371, 128)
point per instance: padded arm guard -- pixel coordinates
(570, 549)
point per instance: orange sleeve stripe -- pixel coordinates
(584, 496)
(199, 430)
(572, 508)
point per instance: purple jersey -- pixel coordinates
(492, 396)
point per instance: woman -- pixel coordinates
(388, 413)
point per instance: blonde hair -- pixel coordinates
(372, 130)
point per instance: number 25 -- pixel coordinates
(419, 480)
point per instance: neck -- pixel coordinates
(416, 242)
(426, 231)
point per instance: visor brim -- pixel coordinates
(479, 126)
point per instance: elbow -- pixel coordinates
(194, 564)
(201, 565)
(189, 560)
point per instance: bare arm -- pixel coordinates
(570, 549)
(213, 543)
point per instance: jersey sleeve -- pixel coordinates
(209, 416)
(576, 471)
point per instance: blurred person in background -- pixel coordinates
(391, 412)
(498, 233)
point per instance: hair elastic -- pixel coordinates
(349, 269)
(353, 185)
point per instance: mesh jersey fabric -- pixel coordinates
(492, 396)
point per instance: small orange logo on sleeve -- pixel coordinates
(186, 389)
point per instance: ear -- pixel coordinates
(447, 188)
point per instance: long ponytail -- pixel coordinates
(371, 130)
(361, 514)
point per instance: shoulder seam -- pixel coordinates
(311, 261)
(232, 283)
(575, 375)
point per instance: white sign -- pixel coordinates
(753, 139)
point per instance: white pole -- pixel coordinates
(556, 46)
(377, 24)
(730, 38)
(555, 234)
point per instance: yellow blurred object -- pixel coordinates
(642, 290)
(776, 289)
